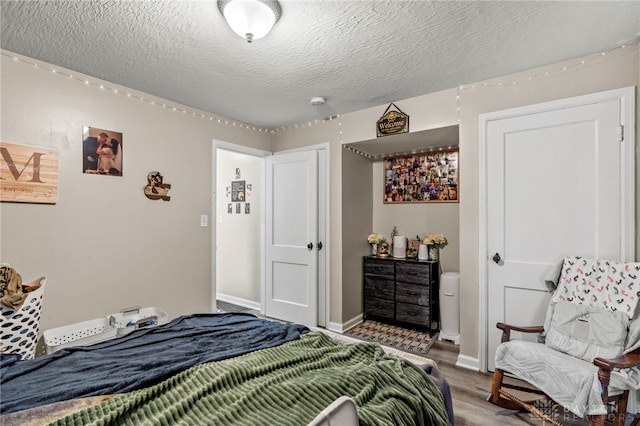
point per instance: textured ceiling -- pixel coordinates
(357, 54)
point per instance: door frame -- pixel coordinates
(626, 97)
(218, 144)
(324, 262)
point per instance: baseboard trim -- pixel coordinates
(238, 301)
(336, 327)
(341, 328)
(468, 362)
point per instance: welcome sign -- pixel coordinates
(28, 174)
(392, 122)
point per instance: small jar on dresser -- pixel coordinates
(402, 292)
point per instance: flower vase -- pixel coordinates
(434, 252)
(374, 249)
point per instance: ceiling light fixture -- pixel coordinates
(251, 19)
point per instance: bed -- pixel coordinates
(222, 369)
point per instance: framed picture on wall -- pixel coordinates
(101, 151)
(237, 190)
(430, 177)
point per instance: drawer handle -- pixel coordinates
(447, 294)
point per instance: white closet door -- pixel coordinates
(555, 184)
(291, 237)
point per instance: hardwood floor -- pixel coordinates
(470, 389)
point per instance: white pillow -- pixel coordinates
(587, 332)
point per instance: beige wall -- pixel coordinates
(155, 251)
(104, 245)
(357, 223)
(440, 110)
(618, 68)
(615, 70)
(325, 132)
(417, 219)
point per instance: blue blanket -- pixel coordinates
(140, 359)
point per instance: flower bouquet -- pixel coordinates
(374, 239)
(434, 243)
(438, 240)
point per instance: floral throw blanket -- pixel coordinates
(605, 284)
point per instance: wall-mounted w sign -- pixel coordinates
(28, 174)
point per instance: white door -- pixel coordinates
(555, 186)
(291, 237)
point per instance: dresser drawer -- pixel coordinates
(378, 287)
(378, 307)
(412, 273)
(413, 314)
(379, 267)
(413, 294)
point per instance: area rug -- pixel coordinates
(412, 341)
(230, 307)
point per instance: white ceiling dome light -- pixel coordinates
(250, 19)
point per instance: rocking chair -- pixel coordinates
(587, 350)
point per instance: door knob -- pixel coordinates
(310, 246)
(320, 245)
(496, 258)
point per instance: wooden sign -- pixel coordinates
(392, 122)
(28, 174)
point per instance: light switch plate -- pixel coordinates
(204, 221)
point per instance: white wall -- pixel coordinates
(238, 234)
(104, 245)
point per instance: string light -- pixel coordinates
(115, 91)
(377, 157)
(458, 103)
(568, 67)
(550, 73)
(460, 89)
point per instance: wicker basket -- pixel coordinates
(19, 328)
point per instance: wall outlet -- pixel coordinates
(204, 221)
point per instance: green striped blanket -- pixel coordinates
(285, 385)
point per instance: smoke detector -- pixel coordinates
(317, 100)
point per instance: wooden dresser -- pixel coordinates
(402, 292)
